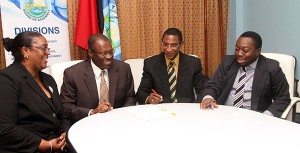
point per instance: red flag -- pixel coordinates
(86, 22)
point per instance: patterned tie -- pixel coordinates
(172, 81)
(239, 93)
(103, 88)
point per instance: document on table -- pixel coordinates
(150, 112)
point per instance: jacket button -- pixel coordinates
(54, 115)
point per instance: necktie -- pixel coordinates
(239, 93)
(103, 88)
(172, 81)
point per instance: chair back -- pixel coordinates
(193, 55)
(287, 64)
(136, 66)
(57, 71)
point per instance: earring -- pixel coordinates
(26, 56)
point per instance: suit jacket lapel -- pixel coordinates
(232, 70)
(34, 85)
(162, 73)
(113, 79)
(182, 71)
(38, 90)
(89, 79)
(259, 82)
(51, 90)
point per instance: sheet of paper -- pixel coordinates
(150, 112)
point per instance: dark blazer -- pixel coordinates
(27, 115)
(155, 76)
(79, 92)
(269, 83)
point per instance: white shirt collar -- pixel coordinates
(249, 67)
(97, 70)
(253, 65)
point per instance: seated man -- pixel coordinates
(97, 84)
(248, 80)
(171, 76)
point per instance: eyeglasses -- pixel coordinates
(45, 49)
(166, 45)
(111, 52)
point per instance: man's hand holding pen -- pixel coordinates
(154, 98)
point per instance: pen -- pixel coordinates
(207, 105)
(153, 91)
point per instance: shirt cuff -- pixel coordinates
(89, 114)
(146, 100)
(208, 96)
(268, 113)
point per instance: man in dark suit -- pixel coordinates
(81, 92)
(155, 86)
(265, 89)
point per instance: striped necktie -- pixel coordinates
(239, 93)
(103, 88)
(172, 81)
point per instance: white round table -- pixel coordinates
(184, 128)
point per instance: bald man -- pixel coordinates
(82, 89)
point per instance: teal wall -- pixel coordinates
(277, 21)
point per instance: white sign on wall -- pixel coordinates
(48, 17)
